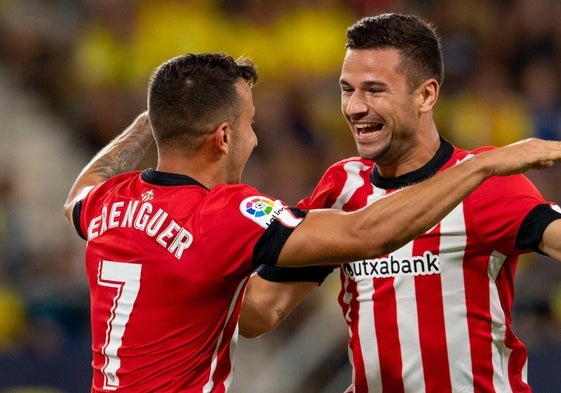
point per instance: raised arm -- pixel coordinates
(328, 236)
(122, 154)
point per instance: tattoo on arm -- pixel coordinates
(124, 153)
(116, 162)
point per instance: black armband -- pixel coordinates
(532, 228)
(285, 274)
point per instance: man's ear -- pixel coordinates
(222, 137)
(429, 94)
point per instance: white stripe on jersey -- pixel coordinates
(410, 342)
(501, 353)
(454, 297)
(354, 182)
(368, 336)
(210, 383)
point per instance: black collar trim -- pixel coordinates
(443, 154)
(168, 179)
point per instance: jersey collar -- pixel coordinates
(443, 154)
(158, 178)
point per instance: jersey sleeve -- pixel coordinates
(82, 208)
(294, 274)
(534, 224)
(499, 208)
(325, 195)
(252, 223)
(76, 213)
(267, 251)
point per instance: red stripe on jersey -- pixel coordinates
(477, 294)
(387, 335)
(430, 314)
(348, 295)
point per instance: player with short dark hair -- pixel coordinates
(169, 250)
(435, 314)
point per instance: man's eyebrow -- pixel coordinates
(365, 84)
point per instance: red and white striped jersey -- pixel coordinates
(435, 315)
(167, 262)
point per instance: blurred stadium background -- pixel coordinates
(73, 74)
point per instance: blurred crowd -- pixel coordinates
(73, 74)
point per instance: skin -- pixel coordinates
(390, 124)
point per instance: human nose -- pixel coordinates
(354, 105)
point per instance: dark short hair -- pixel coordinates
(417, 41)
(191, 94)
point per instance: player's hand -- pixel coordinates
(518, 157)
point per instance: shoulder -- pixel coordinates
(459, 154)
(513, 189)
(245, 203)
(349, 167)
(113, 182)
(232, 193)
(350, 162)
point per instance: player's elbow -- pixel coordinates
(67, 211)
(252, 327)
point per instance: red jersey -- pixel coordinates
(435, 315)
(167, 262)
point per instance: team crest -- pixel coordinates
(147, 195)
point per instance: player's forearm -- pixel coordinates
(412, 211)
(122, 154)
(266, 304)
(433, 199)
(328, 236)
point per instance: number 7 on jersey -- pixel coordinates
(125, 278)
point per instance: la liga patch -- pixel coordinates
(263, 211)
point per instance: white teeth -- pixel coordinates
(368, 128)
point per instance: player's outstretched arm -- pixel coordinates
(122, 154)
(329, 236)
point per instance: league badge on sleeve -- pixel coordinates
(263, 211)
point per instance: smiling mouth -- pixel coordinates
(368, 129)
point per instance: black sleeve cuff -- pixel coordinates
(285, 274)
(76, 218)
(271, 242)
(532, 228)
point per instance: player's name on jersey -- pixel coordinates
(156, 224)
(391, 266)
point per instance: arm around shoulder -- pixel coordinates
(333, 237)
